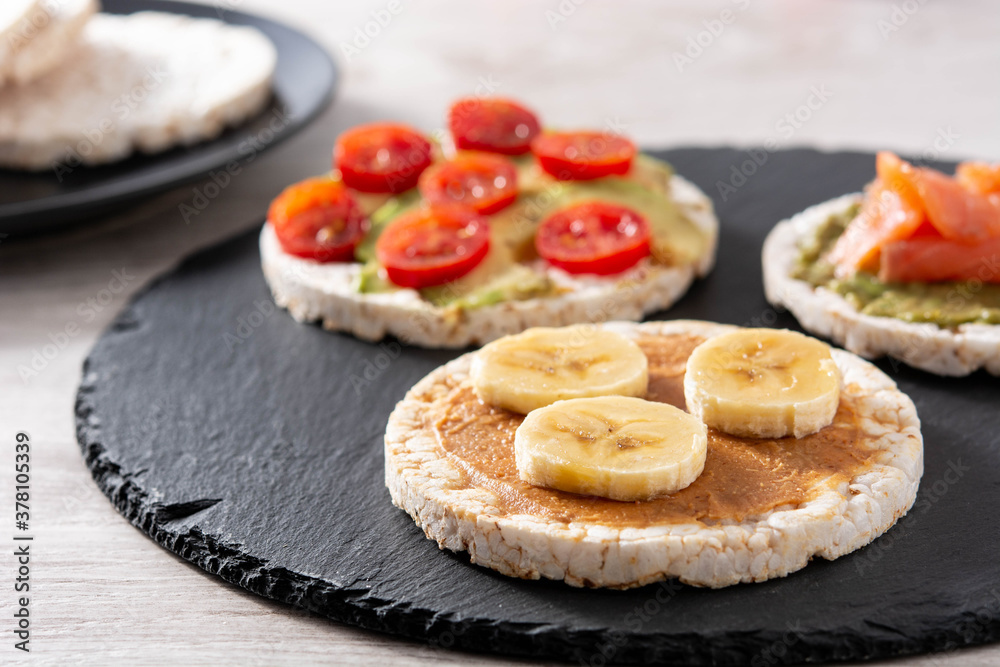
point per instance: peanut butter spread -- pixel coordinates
(743, 477)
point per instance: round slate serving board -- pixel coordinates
(252, 446)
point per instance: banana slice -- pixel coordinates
(763, 383)
(612, 446)
(544, 365)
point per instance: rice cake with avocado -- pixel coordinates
(511, 289)
(945, 328)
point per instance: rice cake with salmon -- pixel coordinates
(910, 268)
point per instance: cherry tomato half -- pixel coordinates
(580, 156)
(484, 182)
(593, 237)
(381, 157)
(492, 124)
(433, 245)
(319, 219)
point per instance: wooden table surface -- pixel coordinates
(915, 77)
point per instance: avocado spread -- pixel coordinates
(506, 274)
(947, 304)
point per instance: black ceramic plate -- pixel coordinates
(252, 446)
(304, 81)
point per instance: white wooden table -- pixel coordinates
(914, 77)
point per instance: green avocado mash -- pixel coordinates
(504, 275)
(947, 304)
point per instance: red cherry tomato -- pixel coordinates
(484, 182)
(433, 246)
(381, 157)
(492, 124)
(580, 156)
(318, 219)
(593, 237)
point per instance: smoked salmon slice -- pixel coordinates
(891, 211)
(954, 220)
(931, 259)
(979, 177)
(957, 213)
(899, 175)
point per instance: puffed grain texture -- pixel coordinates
(323, 292)
(837, 521)
(147, 81)
(823, 312)
(36, 37)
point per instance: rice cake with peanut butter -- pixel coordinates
(762, 508)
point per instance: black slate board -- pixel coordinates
(251, 446)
